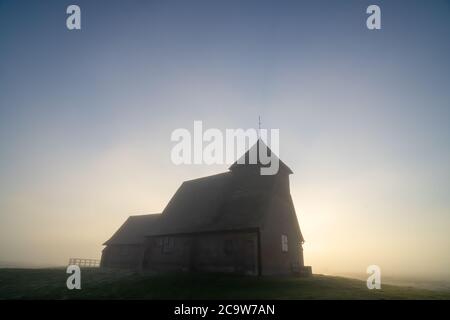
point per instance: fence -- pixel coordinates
(90, 263)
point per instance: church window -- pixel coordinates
(168, 244)
(284, 243)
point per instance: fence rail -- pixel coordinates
(90, 263)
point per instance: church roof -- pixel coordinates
(134, 230)
(211, 204)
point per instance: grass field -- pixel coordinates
(101, 284)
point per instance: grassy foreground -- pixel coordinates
(100, 284)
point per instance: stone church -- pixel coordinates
(234, 222)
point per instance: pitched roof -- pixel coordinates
(248, 159)
(134, 230)
(210, 204)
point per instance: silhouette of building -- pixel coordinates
(238, 222)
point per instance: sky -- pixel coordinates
(86, 118)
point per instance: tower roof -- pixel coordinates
(245, 160)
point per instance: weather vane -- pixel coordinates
(259, 126)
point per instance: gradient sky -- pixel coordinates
(86, 118)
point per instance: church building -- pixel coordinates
(238, 222)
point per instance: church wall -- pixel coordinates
(122, 256)
(212, 252)
(281, 222)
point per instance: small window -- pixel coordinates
(168, 244)
(284, 243)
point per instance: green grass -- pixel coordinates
(101, 284)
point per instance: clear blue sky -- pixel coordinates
(86, 117)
